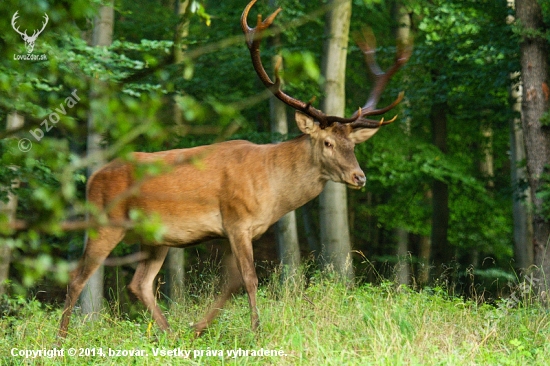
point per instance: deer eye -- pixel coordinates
(328, 144)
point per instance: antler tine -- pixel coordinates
(371, 123)
(254, 34)
(14, 18)
(46, 18)
(368, 111)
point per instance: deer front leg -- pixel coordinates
(241, 246)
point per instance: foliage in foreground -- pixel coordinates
(320, 322)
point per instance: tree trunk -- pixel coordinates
(403, 258)
(424, 253)
(522, 215)
(535, 102)
(175, 260)
(287, 244)
(286, 231)
(403, 272)
(335, 238)
(312, 242)
(9, 208)
(441, 253)
(92, 295)
(486, 165)
(182, 30)
(487, 172)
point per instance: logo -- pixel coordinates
(29, 40)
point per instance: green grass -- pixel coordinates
(321, 323)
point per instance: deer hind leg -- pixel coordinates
(142, 282)
(97, 249)
(232, 283)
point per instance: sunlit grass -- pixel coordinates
(313, 322)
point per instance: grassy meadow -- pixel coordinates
(313, 322)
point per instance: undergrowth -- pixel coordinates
(308, 321)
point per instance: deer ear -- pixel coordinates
(362, 134)
(305, 123)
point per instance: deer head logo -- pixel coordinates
(29, 40)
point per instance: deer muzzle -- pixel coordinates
(358, 179)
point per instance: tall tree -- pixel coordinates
(535, 103)
(15, 121)
(335, 236)
(441, 253)
(521, 210)
(286, 230)
(403, 18)
(523, 229)
(175, 260)
(92, 295)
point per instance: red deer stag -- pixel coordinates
(237, 191)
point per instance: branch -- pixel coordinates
(22, 225)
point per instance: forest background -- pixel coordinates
(449, 197)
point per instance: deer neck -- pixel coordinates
(296, 174)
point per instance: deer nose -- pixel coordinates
(359, 178)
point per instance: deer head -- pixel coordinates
(29, 40)
(333, 137)
(333, 149)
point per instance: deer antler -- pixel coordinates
(367, 43)
(35, 34)
(253, 39)
(13, 19)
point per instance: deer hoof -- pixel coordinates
(199, 328)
